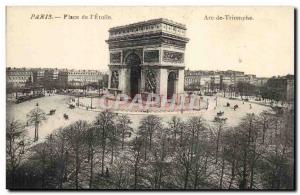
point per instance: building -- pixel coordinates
(227, 80)
(260, 81)
(51, 78)
(193, 79)
(38, 76)
(290, 90)
(79, 78)
(214, 80)
(147, 57)
(63, 79)
(280, 88)
(17, 78)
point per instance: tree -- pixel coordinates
(190, 155)
(92, 143)
(104, 126)
(185, 154)
(219, 126)
(264, 122)
(277, 168)
(248, 135)
(61, 149)
(176, 129)
(75, 134)
(136, 149)
(123, 125)
(16, 147)
(245, 89)
(148, 126)
(41, 161)
(159, 160)
(230, 139)
(35, 117)
(120, 172)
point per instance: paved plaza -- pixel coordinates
(60, 103)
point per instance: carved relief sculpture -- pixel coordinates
(150, 83)
(115, 79)
(115, 57)
(151, 56)
(173, 57)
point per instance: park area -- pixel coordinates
(60, 103)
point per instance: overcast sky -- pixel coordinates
(263, 46)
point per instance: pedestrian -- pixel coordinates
(250, 106)
(207, 104)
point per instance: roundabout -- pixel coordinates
(61, 104)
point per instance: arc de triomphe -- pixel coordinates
(147, 57)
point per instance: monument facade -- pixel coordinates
(147, 57)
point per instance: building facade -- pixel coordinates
(280, 88)
(260, 81)
(147, 57)
(79, 78)
(18, 77)
(214, 80)
(38, 76)
(51, 78)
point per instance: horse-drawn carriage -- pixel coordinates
(246, 99)
(235, 107)
(66, 117)
(220, 117)
(220, 113)
(52, 111)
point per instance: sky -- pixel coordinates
(263, 46)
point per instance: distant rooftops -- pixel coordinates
(53, 69)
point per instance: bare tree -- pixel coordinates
(230, 138)
(16, 147)
(148, 126)
(176, 128)
(181, 155)
(92, 143)
(75, 134)
(264, 123)
(217, 131)
(123, 125)
(35, 117)
(62, 156)
(104, 126)
(136, 149)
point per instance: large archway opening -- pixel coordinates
(171, 84)
(134, 63)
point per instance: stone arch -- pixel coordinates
(171, 88)
(132, 59)
(134, 62)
